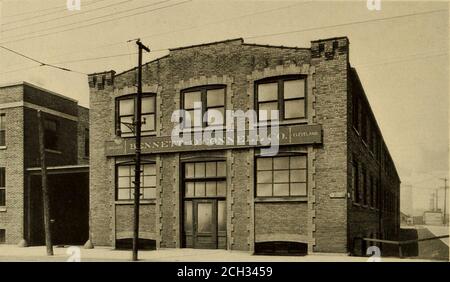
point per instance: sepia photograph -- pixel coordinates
(214, 131)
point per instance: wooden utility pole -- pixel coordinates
(137, 169)
(45, 194)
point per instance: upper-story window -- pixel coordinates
(285, 94)
(51, 134)
(199, 101)
(2, 187)
(2, 130)
(355, 111)
(125, 115)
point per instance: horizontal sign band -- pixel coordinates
(287, 135)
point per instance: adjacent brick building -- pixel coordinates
(66, 124)
(332, 180)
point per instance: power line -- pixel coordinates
(37, 61)
(345, 24)
(184, 29)
(64, 17)
(114, 19)
(64, 8)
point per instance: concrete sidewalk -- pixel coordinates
(35, 254)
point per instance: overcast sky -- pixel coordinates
(402, 62)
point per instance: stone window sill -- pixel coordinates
(2, 209)
(3, 147)
(281, 199)
(131, 202)
(53, 151)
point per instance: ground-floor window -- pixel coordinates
(125, 177)
(2, 236)
(281, 176)
(204, 213)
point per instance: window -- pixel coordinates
(211, 98)
(285, 94)
(86, 142)
(51, 134)
(355, 177)
(2, 130)
(281, 176)
(364, 127)
(2, 236)
(364, 187)
(125, 185)
(205, 179)
(2, 186)
(372, 192)
(355, 111)
(125, 115)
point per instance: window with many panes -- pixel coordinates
(51, 134)
(2, 186)
(201, 100)
(285, 94)
(2, 130)
(125, 115)
(281, 176)
(125, 178)
(205, 179)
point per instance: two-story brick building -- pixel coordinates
(66, 130)
(332, 180)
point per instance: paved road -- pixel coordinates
(13, 253)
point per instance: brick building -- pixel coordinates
(66, 126)
(332, 180)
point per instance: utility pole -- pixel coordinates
(137, 169)
(445, 199)
(45, 194)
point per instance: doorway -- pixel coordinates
(204, 205)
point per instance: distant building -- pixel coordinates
(66, 126)
(333, 179)
(433, 217)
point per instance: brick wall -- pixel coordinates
(330, 59)
(12, 158)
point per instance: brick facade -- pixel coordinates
(19, 104)
(324, 220)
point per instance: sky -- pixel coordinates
(402, 61)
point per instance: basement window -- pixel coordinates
(281, 248)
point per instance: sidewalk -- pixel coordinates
(35, 254)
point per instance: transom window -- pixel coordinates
(2, 187)
(205, 179)
(285, 94)
(281, 176)
(125, 185)
(2, 130)
(208, 98)
(126, 110)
